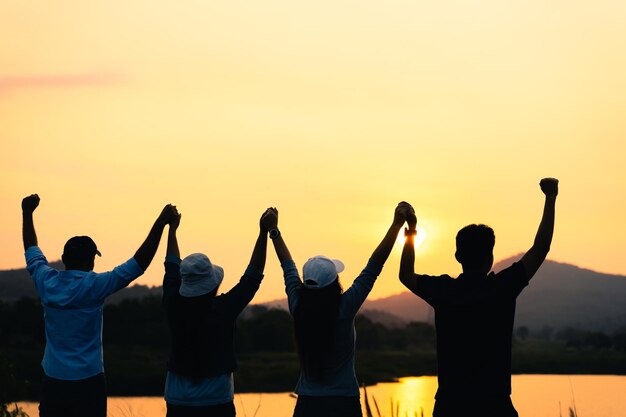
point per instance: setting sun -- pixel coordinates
(334, 113)
(233, 109)
(419, 238)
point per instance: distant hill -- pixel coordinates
(16, 283)
(405, 306)
(560, 295)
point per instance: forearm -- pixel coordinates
(29, 236)
(407, 261)
(543, 239)
(533, 259)
(172, 243)
(281, 249)
(259, 253)
(147, 250)
(381, 253)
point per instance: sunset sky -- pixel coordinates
(332, 111)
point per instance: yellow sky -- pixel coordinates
(331, 111)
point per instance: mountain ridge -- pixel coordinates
(560, 295)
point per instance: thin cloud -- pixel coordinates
(20, 82)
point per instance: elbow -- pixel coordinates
(405, 276)
(142, 262)
(542, 249)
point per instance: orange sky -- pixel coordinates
(331, 111)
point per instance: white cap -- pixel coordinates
(320, 271)
(199, 276)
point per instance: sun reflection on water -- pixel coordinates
(409, 396)
(533, 395)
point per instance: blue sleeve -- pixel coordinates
(37, 266)
(293, 285)
(107, 283)
(355, 296)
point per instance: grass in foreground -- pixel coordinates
(395, 408)
(17, 412)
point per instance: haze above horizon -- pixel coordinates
(332, 112)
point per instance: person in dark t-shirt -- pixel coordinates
(474, 314)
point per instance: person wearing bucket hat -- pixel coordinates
(201, 324)
(72, 300)
(324, 322)
(198, 275)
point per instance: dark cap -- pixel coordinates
(80, 247)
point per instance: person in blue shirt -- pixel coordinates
(202, 359)
(324, 322)
(73, 382)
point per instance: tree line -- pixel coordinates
(136, 342)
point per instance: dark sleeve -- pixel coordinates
(171, 279)
(513, 279)
(234, 301)
(428, 287)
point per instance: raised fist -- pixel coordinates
(550, 187)
(30, 203)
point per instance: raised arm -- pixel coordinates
(147, 250)
(29, 204)
(359, 290)
(382, 251)
(535, 256)
(270, 220)
(259, 253)
(407, 261)
(171, 278)
(293, 284)
(235, 300)
(172, 240)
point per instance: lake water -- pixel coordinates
(533, 396)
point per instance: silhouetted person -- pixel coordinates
(202, 326)
(74, 383)
(474, 315)
(324, 322)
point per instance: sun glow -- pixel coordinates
(420, 237)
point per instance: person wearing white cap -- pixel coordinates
(324, 322)
(202, 324)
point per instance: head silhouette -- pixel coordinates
(79, 253)
(474, 247)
